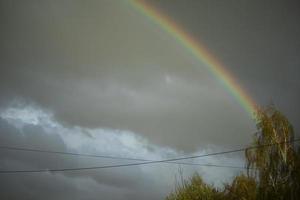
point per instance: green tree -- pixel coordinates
(273, 163)
(241, 188)
(273, 166)
(195, 189)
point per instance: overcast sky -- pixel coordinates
(98, 77)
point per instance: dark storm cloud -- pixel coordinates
(102, 65)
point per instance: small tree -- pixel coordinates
(241, 188)
(195, 189)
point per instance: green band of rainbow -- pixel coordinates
(198, 50)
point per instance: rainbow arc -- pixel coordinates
(199, 51)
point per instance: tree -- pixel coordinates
(273, 163)
(273, 166)
(241, 188)
(195, 189)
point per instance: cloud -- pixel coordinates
(101, 65)
(96, 77)
(27, 125)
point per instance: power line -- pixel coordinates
(110, 157)
(127, 158)
(142, 163)
(67, 153)
(101, 167)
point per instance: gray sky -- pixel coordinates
(97, 76)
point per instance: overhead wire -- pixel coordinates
(134, 164)
(111, 157)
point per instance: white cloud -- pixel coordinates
(105, 141)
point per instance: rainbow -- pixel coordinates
(198, 50)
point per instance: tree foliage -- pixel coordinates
(275, 160)
(273, 166)
(241, 188)
(194, 189)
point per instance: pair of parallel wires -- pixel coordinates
(140, 162)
